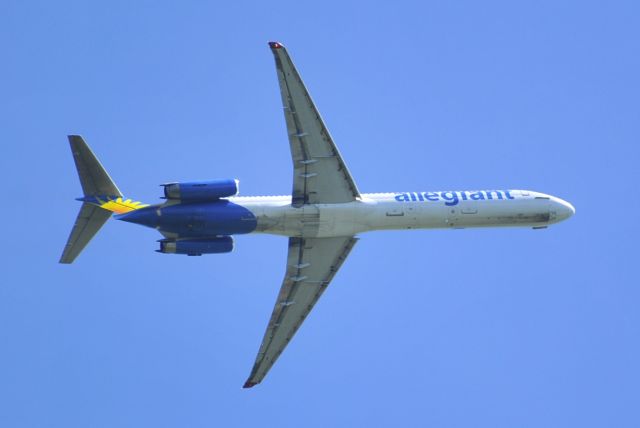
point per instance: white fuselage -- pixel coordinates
(411, 210)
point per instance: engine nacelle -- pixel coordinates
(197, 247)
(201, 190)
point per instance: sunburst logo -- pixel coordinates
(118, 205)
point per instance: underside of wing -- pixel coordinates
(320, 176)
(89, 221)
(311, 264)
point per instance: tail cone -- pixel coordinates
(144, 216)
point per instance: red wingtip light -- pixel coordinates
(249, 384)
(275, 45)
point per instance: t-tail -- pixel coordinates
(101, 198)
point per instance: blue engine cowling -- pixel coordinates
(197, 247)
(201, 190)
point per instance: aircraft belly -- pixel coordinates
(304, 221)
(200, 219)
(311, 221)
(348, 219)
(501, 213)
(391, 215)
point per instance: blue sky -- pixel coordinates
(483, 328)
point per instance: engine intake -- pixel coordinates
(201, 190)
(197, 247)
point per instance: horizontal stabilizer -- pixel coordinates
(90, 220)
(93, 177)
(99, 191)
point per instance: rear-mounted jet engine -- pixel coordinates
(197, 247)
(201, 190)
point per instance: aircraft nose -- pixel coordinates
(564, 210)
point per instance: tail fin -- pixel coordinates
(100, 194)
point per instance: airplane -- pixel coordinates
(321, 218)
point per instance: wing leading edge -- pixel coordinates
(320, 176)
(311, 265)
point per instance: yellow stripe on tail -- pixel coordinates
(121, 206)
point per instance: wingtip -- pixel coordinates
(74, 138)
(275, 45)
(249, 384)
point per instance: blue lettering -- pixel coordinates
(431, 196)
(497, 192)
(452, 197)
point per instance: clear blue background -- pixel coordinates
(472, 328)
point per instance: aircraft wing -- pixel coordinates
(320, 176)
(311, 265)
